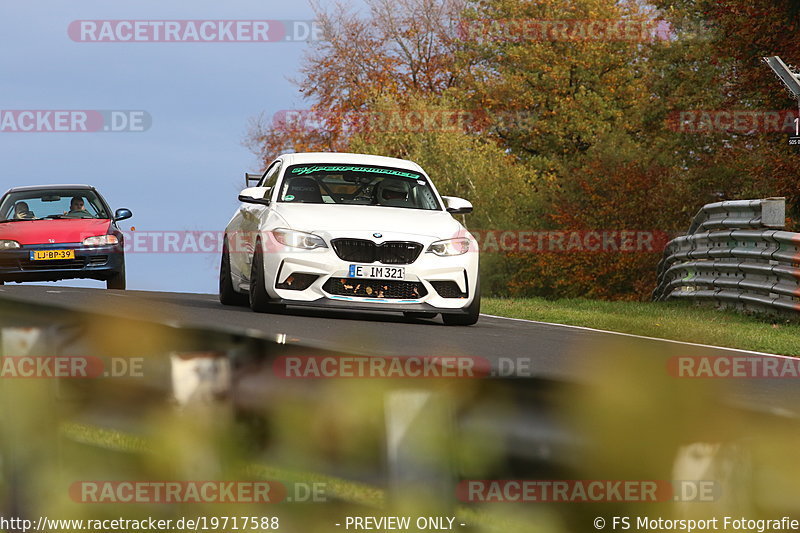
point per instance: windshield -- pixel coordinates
(52, 204)
(357, 185)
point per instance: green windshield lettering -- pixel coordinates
(330, 168)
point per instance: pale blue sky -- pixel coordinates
(185, 172)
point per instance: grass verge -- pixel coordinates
(666, 320)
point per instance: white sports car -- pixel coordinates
(350, 231)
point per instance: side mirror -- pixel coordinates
(255, 195)
(251, 178)
(122, 214)
(457, 206)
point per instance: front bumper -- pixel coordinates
(427, 273)
(328, 303)
(91, 262)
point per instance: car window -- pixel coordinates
(357, 185)
(54, 204)
(271, 177)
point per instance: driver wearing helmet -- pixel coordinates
(392, 193)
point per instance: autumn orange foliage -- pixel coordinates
(592, 143)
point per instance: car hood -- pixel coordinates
(349, 218)
(28, 232)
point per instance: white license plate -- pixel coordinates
(376, 272)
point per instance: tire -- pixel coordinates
(227, 294)
(414, 315)
(259, 299)
(117, 281)
(473, 311)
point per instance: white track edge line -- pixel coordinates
(642, 337)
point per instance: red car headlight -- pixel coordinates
(101, 240)
(9, 245)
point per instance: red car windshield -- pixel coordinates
(52, 204)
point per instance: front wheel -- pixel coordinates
(259, 299)
(117, 281)
(227, 294)
(472, 314)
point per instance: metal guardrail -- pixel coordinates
(736, 254)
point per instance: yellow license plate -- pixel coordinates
(52, 255)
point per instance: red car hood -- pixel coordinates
(53, 231)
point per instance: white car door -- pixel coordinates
(247, 225)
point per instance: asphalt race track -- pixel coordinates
(535, 349)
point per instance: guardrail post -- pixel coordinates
(773, 212)
(28, 422)
(420, 452)
(201, 387)
(200, 378)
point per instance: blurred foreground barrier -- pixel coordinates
(735, 254)
(125, 397)
(121, 395)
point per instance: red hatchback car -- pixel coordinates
(54, 232)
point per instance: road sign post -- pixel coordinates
(791, 81)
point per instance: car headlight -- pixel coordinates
(298, 239)
(449, 247)
(9, 245)
(101, 240)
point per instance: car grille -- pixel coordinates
(67, 264)
(448, 289)
(375, 288)
(388, 253)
